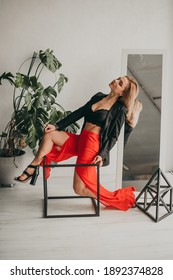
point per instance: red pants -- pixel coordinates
(86, 146)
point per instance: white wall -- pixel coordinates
(88, 37)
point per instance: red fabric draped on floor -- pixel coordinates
(86, 146)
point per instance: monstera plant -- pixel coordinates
(34, 104)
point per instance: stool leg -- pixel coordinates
(98, 190)
(45, 188)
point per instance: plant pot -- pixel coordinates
(10, 167)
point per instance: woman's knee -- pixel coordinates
(55, 137)
(77, 189)
(77, 184)
(48, 135)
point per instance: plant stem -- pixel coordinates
(14, 99)
(60, 106)
(55, 84)
(40, 72)
(23, 90)
(37, 68)
(24, 63)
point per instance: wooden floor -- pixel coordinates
(25, 234)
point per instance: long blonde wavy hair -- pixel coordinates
(129, 96)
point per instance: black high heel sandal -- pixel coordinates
(33, 176)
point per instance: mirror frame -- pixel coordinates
(120, 143)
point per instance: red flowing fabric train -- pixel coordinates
(86, 146)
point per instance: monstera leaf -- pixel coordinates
(61, 81)
(31, 123)
(7, 76)
(34, 103)
(49, 60)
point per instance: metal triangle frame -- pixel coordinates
(156, 193)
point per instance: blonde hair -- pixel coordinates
(129, 96)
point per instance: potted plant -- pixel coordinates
(34, 104)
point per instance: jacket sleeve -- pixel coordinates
(112, 138)
(127, 131)
(73, 117)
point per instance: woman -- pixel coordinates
(104, 115)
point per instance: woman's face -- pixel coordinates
(119, 85)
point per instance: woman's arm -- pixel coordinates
(71, 118)
(112, 137)
(75, 115)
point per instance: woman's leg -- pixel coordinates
(88, 147)
(80, 188)
(56, 138)
(50, 139)
(86, 156)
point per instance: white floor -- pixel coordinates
(25, 234)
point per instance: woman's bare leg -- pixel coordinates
(80, 188)
(57, 138)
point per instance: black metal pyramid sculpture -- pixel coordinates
(155, 199)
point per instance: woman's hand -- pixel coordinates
(98, 160)
(49, 128)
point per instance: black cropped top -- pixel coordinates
(97, 117)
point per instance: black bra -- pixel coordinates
(98, 117)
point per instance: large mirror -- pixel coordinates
(141, 154)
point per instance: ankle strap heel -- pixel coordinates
(35, 176)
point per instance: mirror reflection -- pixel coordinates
(141, 154)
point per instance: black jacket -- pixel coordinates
(109, 134)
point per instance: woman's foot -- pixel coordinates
(31, 172)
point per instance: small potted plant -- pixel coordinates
(33, 105)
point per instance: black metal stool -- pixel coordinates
(96, 204)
